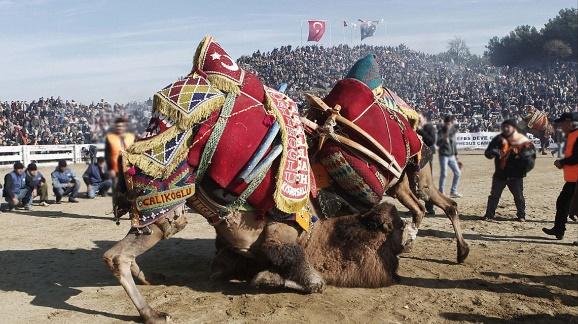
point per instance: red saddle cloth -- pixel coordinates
(387, 126)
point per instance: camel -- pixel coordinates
(348, 251)
(185, 159)
(415, 181)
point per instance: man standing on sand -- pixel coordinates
(448, 152)
(117, 142)
(568, 123)
(514, 156)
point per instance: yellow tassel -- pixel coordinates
(200, 52)
(283, 203)
(168, 108)
(224, 84)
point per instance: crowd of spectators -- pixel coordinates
(57, 121)
(479, 95)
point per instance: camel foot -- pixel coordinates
(154, 317)
(407, 247)
(268, 279)
(463, 252)
(314, 283)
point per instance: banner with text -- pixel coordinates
(480, 140)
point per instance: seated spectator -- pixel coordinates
(64, 183)
(16, 193)
(35, 180)
(97, 178)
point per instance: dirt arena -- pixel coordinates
(51, 269)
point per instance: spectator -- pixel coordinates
(64, 183)
(97, 178)
(568, 122)
(427, 131)
(16, 193)
(117, 142)
(514, 156)
(448, 152)
(36, 181)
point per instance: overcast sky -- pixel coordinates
(126, 50)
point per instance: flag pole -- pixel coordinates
(330, 35)
(301, 37)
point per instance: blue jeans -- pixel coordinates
(100, 188)
(71, 192)
(24, 197)
(450, 161)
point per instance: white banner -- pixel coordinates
(480, 140)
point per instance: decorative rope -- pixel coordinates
(215, 136)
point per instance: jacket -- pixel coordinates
(428, 135)
(59, 179)
(13, 184)
(513, 158)
(570, 160)
(94, 174)
(447, 146)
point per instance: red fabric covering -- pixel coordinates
(241, 138)
(358, 105)
(215, 60)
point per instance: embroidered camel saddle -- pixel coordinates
(365, 136)
(221, 127)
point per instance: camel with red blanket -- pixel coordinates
(235, 151)
(364, 141)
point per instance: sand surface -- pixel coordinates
(51, 269)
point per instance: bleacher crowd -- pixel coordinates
(480, 96)
(57, 121)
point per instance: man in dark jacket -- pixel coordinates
(36, 181)
(568, 122)
(97, 178)
(514, 156)
(15, 191)
(448, 155)
(428, 132)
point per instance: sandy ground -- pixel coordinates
(51, 269)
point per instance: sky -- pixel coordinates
(126, 50)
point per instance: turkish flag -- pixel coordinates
(316, 30)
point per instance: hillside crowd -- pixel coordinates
(477, 94)
(57, 121)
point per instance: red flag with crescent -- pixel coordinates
(316, 30)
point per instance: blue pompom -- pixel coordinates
(314, 219)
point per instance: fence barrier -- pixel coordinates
(45, 154)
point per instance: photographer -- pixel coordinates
(64, 183)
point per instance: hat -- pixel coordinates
(18, 165)
(567, 116)
(62, 163)
(367, 71)
(511, 122)
(32, 167)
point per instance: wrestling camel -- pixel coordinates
(235, 152)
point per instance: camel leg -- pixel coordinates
(450, 209)
(120, 259)
(406, 197)
(280, 247)
(449, 206)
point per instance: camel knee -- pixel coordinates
(116, 262)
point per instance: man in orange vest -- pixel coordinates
(568, 123)
(117, 142)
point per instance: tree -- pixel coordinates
(458, 50)
(557, 49)
(564, 27)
